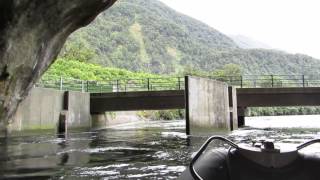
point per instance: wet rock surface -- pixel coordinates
(32, 34)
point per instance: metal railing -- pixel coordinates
(263, 81)
(117, 85)
(175, 83)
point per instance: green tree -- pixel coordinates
(232, 70)
(230, 73)
(78, 50)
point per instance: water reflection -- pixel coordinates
(154, 150)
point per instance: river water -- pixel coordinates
(149, 150)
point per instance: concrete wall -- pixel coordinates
(207, 105)
(78, 110)
(42, 108)
(109, 119)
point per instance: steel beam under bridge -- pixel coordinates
(269, 97)
(141, 100)
(175, 99)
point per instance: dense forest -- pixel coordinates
(145, 38)
(146, 35)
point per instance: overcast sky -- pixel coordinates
(290, 25)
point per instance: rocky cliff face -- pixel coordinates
(32, 33)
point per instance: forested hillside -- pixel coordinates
(146, 35)
(72, 68)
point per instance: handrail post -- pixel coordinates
(61, 83)
(148, 83)
(241, 81)
(82, 86)
(117, 83)
(271, 80)
(87, 86)
(179, 85)
(303, 85)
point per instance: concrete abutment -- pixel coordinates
(48, 109)
(110, 119)
(210, 106)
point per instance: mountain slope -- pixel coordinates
(146, 35)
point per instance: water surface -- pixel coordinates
(150, 150)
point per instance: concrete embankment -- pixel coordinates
(54, 110)
(110, 119)
(43, 108)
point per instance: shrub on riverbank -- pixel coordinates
(163, 114)
(86, 71)
(276, 111)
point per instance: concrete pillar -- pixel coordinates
(241, 116)
(207, 106)
(186, 100)
(78, 106)
(233, 108)
(99, 121)
(3, 130)
(63, 121)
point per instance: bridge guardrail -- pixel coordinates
(263, 81)
(175, 83)
(117, 85)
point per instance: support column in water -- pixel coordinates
(3, 129)
(241, 116)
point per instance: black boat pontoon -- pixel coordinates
(261, 161)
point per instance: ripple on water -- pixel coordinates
(154, 150)
(141, 175)
(111, 171)
(101, 150)
(85, 173)
(161, 155)
(174, 134)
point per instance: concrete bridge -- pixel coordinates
(209, 104)
(177, 99)
(270, 97)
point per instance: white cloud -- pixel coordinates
(291, 25)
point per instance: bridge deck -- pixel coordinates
(268, 97)
(175, 99)
(142, 100)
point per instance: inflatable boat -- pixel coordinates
(259, 161)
